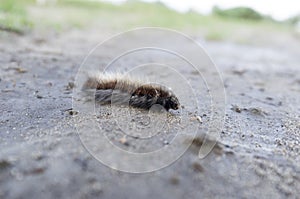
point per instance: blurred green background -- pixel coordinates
(239, 24)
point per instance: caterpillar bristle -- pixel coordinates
(122, 89)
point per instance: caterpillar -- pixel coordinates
(121, 89)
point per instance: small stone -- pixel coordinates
(269, 98)
(4, 164)
(174, 180)
(70, 86)
(21, 70)
(72, 112)
(236, 109)
(123, 140)
(37, 171)
(199, 118)
(197, 167)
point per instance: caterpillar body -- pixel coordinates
(121, 89)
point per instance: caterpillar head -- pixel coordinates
(169, 101)
(148, 95)
(172, 103)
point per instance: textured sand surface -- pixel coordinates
(41, 156)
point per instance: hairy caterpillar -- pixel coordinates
(121, 89)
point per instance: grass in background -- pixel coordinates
(13, 16)
(68, 14)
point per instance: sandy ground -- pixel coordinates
(257, 155)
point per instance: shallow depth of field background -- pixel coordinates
(239, 24)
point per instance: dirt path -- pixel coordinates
(258, 155)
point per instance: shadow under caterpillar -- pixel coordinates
(118, 89)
